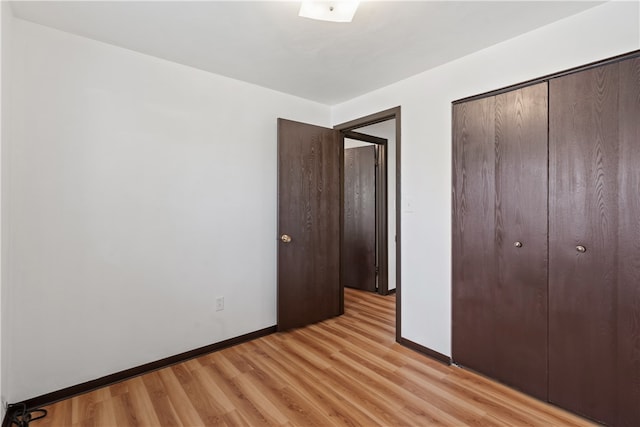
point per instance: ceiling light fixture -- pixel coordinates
(334, 11)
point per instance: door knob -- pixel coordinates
(581, 249)
(518, 244)
(285, 238)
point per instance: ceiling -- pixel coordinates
(267, 44)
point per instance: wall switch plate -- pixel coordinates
(219, 303)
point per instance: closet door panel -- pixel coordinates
(583, 150)
(628, 395)
(474, 274)
(520, 295)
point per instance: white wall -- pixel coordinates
(140, 191)
(4, 29)
(598, 33)
(353, 143)
(5, 39)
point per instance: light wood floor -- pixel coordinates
(345, 371)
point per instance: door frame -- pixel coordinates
(381, 207)
(346, 129)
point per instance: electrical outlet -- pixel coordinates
(219, 303)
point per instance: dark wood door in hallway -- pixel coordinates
(359, 246)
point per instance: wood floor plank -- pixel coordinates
(317, 386)
(346, 371)
(105, 413)
(389, 391)
(124, 411)
(59, 414)
(209, 408)
(185, 410)
(239, 399)
(141, 400)
(235, 418)
(160, 400)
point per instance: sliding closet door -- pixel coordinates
(500, 237)
(520, 293)
(546, 240)
(584, 219)
(474, 262)
(628, 291)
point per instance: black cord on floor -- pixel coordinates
(23, 416)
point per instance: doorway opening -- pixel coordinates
(370, 206)
(365, 230)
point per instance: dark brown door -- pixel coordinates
(628, 395)
(594, 269)
(474, 261)
(520, 292)
(583, 220)
(500, 237)
(309, 195)
(359, 247)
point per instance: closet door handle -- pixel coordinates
(581, 249)
(518, 244)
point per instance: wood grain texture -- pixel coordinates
(382, 221)
(500, 197)
(584, 169)
(628, 393)
(346, 371)
(359, 245)
(474, 261)
(593, 297)
(519, 303)
(309, 198)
